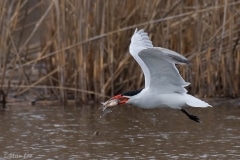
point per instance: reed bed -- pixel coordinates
(78, 49)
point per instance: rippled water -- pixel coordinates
(55, 132)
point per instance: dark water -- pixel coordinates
(28, 132)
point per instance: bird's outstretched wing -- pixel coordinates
(158, 65)
(139, 42)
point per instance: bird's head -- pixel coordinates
(124, 97)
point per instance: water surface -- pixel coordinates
(55, 132)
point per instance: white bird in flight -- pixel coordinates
(164, 86)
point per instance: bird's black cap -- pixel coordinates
(132, 93)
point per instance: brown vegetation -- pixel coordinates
(79, 48)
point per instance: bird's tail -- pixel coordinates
(195, 102)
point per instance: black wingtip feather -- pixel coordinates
(179, 59)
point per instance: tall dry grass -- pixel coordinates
(79, 48)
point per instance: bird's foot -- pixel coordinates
(190, 116)
(194, 118)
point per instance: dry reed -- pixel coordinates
(79, 48)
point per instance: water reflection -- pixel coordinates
(128, 132)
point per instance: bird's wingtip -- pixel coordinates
(136, 30)
(139, 41)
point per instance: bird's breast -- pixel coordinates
(168, 100)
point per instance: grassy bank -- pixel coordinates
(78, 49)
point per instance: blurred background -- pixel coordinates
(76, 52)
(78, 49)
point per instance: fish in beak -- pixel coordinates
(114, 101)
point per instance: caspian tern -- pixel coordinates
(164, 86)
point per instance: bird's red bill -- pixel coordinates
(121, 99)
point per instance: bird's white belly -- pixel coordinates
(148, 101)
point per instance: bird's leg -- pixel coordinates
(192, 117)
